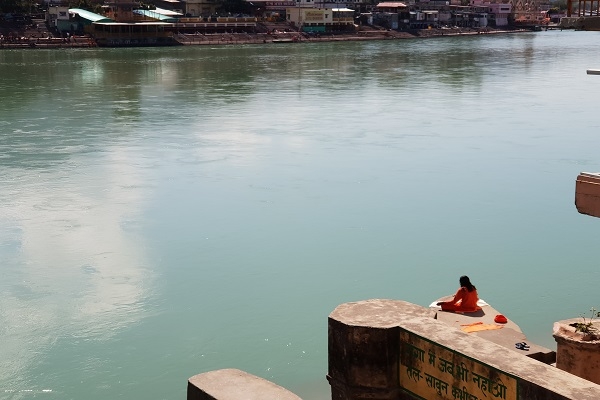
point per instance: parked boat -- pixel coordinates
(286, 40)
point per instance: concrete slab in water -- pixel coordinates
(234, 384)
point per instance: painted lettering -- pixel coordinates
(499, 390)
(431, 357)
(446, 366)
(413, 373)
(462, 394)
(436, 384)
(461, 372)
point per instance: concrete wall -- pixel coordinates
(390, 349)
(583, 23)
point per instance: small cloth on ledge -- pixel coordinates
(478, 326)
(500, 319)
(474, 323)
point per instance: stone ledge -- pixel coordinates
(234, 384)
(378, 313)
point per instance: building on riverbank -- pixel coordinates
(125, 25)
(321, 19)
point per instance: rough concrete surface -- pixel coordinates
(234, 384)
(378, 313)
(507, 336)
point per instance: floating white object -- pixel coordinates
(480, 302)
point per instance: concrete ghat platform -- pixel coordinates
(383, 349)
(507, 336)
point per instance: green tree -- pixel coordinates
(235, 7)
(12, 6)
(560, 4)
(86, 5)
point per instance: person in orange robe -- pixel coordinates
(465, 299)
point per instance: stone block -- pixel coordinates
(234, 384)
(587, 194)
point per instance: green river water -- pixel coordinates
(170, 211)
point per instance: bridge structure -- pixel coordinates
(586, 8)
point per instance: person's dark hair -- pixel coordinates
(466, 282)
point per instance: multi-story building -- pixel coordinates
(196, 8)
(57, 15)
(121, 10)
(529, 11)
(356, 5)
(311, 19)
(177, 6)
(499, 12)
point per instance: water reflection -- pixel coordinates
(75, 266)
(114, 81)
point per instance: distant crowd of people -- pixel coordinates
(15, 40)
(10, 38)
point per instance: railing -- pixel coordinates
(218, 19)
(215, 25)
(216, 39)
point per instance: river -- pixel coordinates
(170, 211)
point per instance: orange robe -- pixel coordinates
(463, 300)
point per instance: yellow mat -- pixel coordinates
(478, 326)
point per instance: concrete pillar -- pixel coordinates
(364, 348)
(569, 7)
(587, 193)
(576, 352)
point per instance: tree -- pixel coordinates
(12, 6)
(89, 5)
(235, 7)
(560, 4)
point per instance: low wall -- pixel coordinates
(582, 23)
(390, 349)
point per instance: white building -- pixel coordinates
(55, 14)
(320, 19)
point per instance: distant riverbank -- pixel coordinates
(257, 38)
(372, 34)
